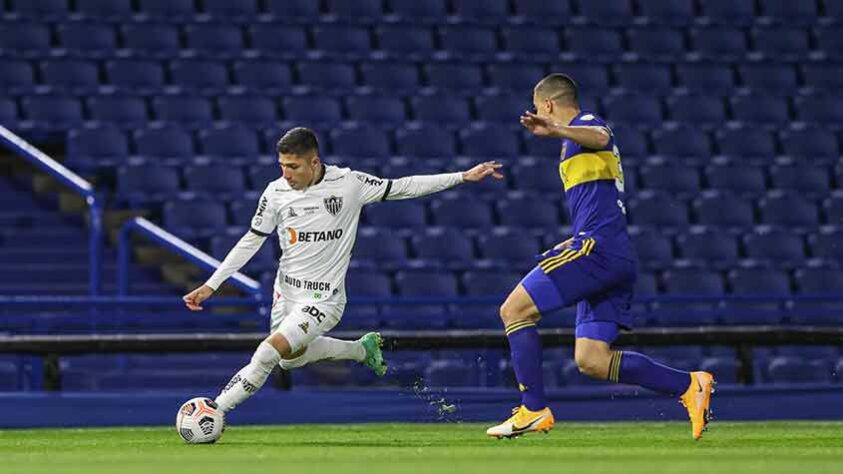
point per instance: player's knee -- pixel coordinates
(591, 363)
(279, 342)
(510, 313)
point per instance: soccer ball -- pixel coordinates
(199, 420)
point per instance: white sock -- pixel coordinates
(326, 348)
(250, 378)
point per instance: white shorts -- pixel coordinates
(301, 323)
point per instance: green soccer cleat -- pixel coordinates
(372, 343)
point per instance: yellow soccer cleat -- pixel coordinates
(697, 399)
(523, 421)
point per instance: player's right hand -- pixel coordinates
(194, 299)
(564, 245)
(538, 125)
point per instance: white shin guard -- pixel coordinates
(250, 378)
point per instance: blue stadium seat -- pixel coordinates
(425, 141)
(185, 110)
(706, 78)
(811, 142)
(653, 248)
(657, 209)
(199, 75)
(515, 77)
(294, 10)
(469, 42)
(674, 12)
(524, 212)
(791, 369)
(638, 110)
(739, 179)
(487, 11)
(24, 39)
(802, 13)
(227, 11)
(755, 109)
(167, 10)
(439, 109)
(826, 243)
(194, 218)
(487, 283)
(404, 41)
(739, 12)
(400, 214)
(746, 142)
(362, 11)
(644, 77)
(312, 110)
(17, 76)
(591, 78)
(44, 10)
(426, 284)
(454, 76)
(593, 43)
(71, 74)
(279, 41)
(782, 43)
(255, 110)
(723, 209)
(368, 284)
(830, 40)
(833, 207)
(360, 141)
(242, 210)
(461, 212)
(215, 180)
(328, 76)
(766, 281)
(97, 143)
(376, 109)
(433, 11)
(673, 179)
(538, 11)
(135, 76)
(53, 111)
(726, 368)
(803, 179)
(533, 43)
(229, 142)
(82, 39)
(152, 39)
(821, 280)
(630, 141)
(444, 244)
(263, 76)
(147, 182)
(789, 209)
(709, 247)
(823, 76)
(768, 77)
(164, 142)
(509, 247)
(388, 77)
(655, 43)
(681, 141)
(533, 176)
(261, 175)
(820, 109)
(380, 246)
(108, 10)
(778, 247)
(451, 373)
(8, 111)
(215, 40)
(489, 141)
(342, 41)
(719, 43)
(646, 285)
(612, 12)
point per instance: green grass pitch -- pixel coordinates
(769, 447)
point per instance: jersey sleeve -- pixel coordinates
(371, 188)
(591, 120)
(266, 215)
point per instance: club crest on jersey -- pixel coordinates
(333, 204)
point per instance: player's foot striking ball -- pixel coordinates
(372, 343)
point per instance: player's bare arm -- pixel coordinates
(587, 136)
(194, 299)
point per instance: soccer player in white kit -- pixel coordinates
(315, 209)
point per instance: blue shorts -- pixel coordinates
(600, 283)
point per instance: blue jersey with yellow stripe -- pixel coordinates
(593, 182)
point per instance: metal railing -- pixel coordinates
(76, 184)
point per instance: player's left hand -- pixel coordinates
(479, 172)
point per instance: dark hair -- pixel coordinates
(298, 141)
(559, 87)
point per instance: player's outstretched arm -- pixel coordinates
(589, 137)
(482, 171)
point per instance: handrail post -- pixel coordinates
(123, 259)
(95, 245)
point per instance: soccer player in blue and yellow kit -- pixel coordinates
(594, 269)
